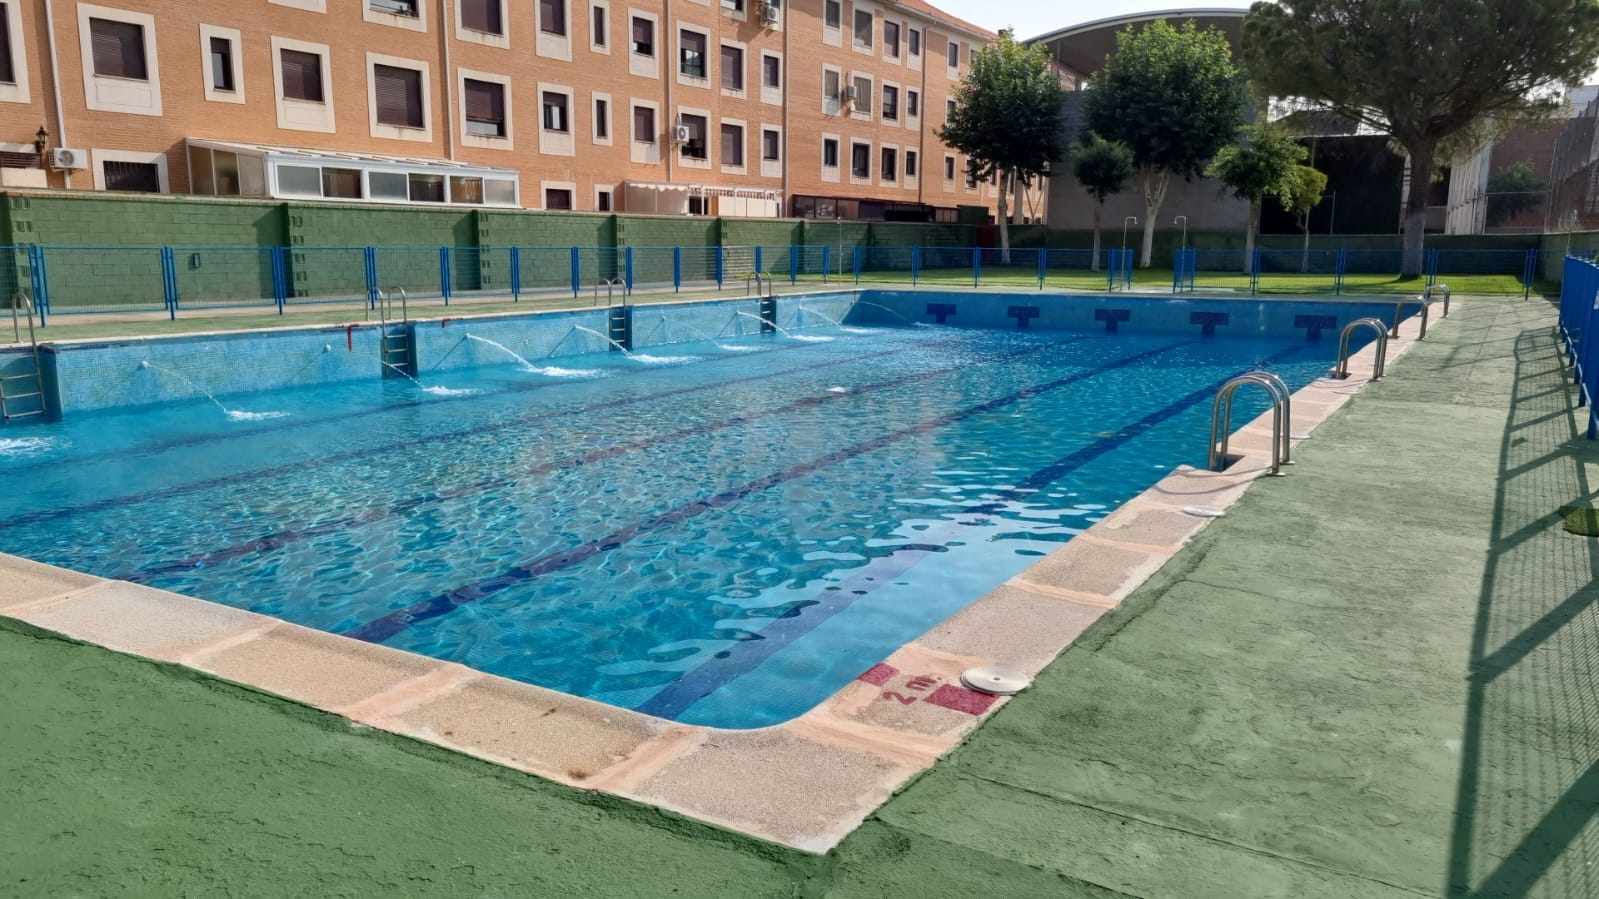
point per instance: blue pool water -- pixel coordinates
(722, 541)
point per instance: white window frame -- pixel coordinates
(399, 132)
(21, 90)
(231, 35)
(558, 143)
(871, 96)
(644, 66)
(677, 58)
(711, 130)
(899, 159)
(830, 173)
(871, 148)
(303, 115)
(898, 120)
(870, 47)
(98, 158)
(744, 148)
(913, 122)
(914, 60)
(833, 107)
(484, 141)
(546, 186)
(744, 54)
(553, 46)
(307, 5)
(594, 120)
(906, 178)
(605, 189)
(772, 96)
(110, 94)
(503, 40)
(953, 71)
(647, 152)
(898, 57)
(418, 22)
(601, 9)
(770, 168)
(951, 172)
(833, 37)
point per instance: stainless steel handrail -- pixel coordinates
(22, 298)
(757, 277)
(1379, 368)
(1281, 419)
(1399, 309)
(1427, 295)
(610, 290)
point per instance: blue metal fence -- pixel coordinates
(1579, 327)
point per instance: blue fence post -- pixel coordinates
(516, 274)
(1340, 266)
(720, 261)
(40, 281)
(1043, 256)
(280, 287)
(1529, 271)
(1254, 274)
(759, 265)
(857, 263)
(677, 269)
(977, 266)
(169, 282)
(627, 260)
(1432, 267)
(369, 258)
(1110, 270)
(444, 274)
(1176, 270)
(916, 265)
(793, 264)
(577, 272)
(826, 263)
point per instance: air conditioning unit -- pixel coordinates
(849, 94)
(770, 16)
(680, 134)
(64, 158)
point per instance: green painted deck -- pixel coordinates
(1374, 677)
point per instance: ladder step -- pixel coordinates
(31, 374)
(12, 397)
(10, 415)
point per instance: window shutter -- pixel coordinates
(302, 76)
(8, 72)
(399, 96)
(118, 49)
(481, 15)
(485, 101)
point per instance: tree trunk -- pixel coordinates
(1099, 212)
(1304, 256)
(1421, 165)
(1155, 183)
(1004, 215)
(1249, 236)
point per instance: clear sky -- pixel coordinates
(1031, 18)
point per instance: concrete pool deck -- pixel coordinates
(1295, 705)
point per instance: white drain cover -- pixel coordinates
(1203, 512)
(996, 680)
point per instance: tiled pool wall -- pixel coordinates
(81, 377)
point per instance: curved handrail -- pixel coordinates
(1399, 309)
(1222, 414)
(25, 299)
(1379, 368)
(1427, 295)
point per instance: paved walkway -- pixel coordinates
(1375, 677)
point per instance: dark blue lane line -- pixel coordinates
(676, 698)
(280, 539)
(297, 423)
(383, 628)
(53, 514)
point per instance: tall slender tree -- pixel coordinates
(1260, 163)
(1104, 168)
(1008, 120)
(1424, 71)
(1174, 97)
(1306, 184)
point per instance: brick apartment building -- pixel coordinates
(759, 108)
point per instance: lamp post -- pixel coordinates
(1130, 220)
(1182, 220)
(41, 142)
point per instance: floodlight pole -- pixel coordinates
(1182, 220)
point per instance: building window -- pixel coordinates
(699, 205)
(602, 201)
(143, 177)
(552, 17)
(954, 55)
(949, 109)
(860, 161)
(555, 112)
(394, 7)
(771, 72)
(221, 61)
(829, 153)
(910, 163)
(694, 147)
(643, 37)
(602, 119)
(732, 68)
(890, 103)
(399, 96)
(482, 15)
(771, 145)
(8, 71)
(733, 5)
(863, 29)
(971, 179)
(341, 184)
(732, 145)
(485, 108)
(302, 76)
(830, 82)
(890, 164)
(949, 168)
(863, 95)
(599, 25)
(891, 39)
(913, 41)
(557, 198)
(833, 14)
(118, 53)
(644, 124)
(691, 55)
(913, 106)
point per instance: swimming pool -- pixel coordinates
(725, 539)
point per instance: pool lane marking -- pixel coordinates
(385, 627)
(624, 373)
(52, 514)
(676, 697)
(283, 538)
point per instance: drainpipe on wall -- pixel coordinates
(669, 74)
(783, 207)
(55, 84)
(445, 27)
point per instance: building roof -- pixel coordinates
(929, 11)
(1083, 48)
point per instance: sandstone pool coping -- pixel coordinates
(806, 783)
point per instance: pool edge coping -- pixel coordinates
(838, 762)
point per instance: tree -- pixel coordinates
(1513, 190)
(1305, 187)
(1104, 168)
(1007, 119)
(1174, 97)
(1260, 164)
(1421, 70)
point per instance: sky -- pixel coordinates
(1032, 18)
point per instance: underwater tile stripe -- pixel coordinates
(200, 440)
(284, 538)
(383, 628)
(743, 657)
(42, 515)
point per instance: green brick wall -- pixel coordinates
(667, 231)
(756, 232)
(546, 229)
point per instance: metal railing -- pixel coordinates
(1221, 417)
(1399, 311)
(33, 380)
(1345, 338)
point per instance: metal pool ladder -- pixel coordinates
(1399, 310)
(1427, 295)
(1221, 418)
(1341, 371)
(32, 381)
(394, 344)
